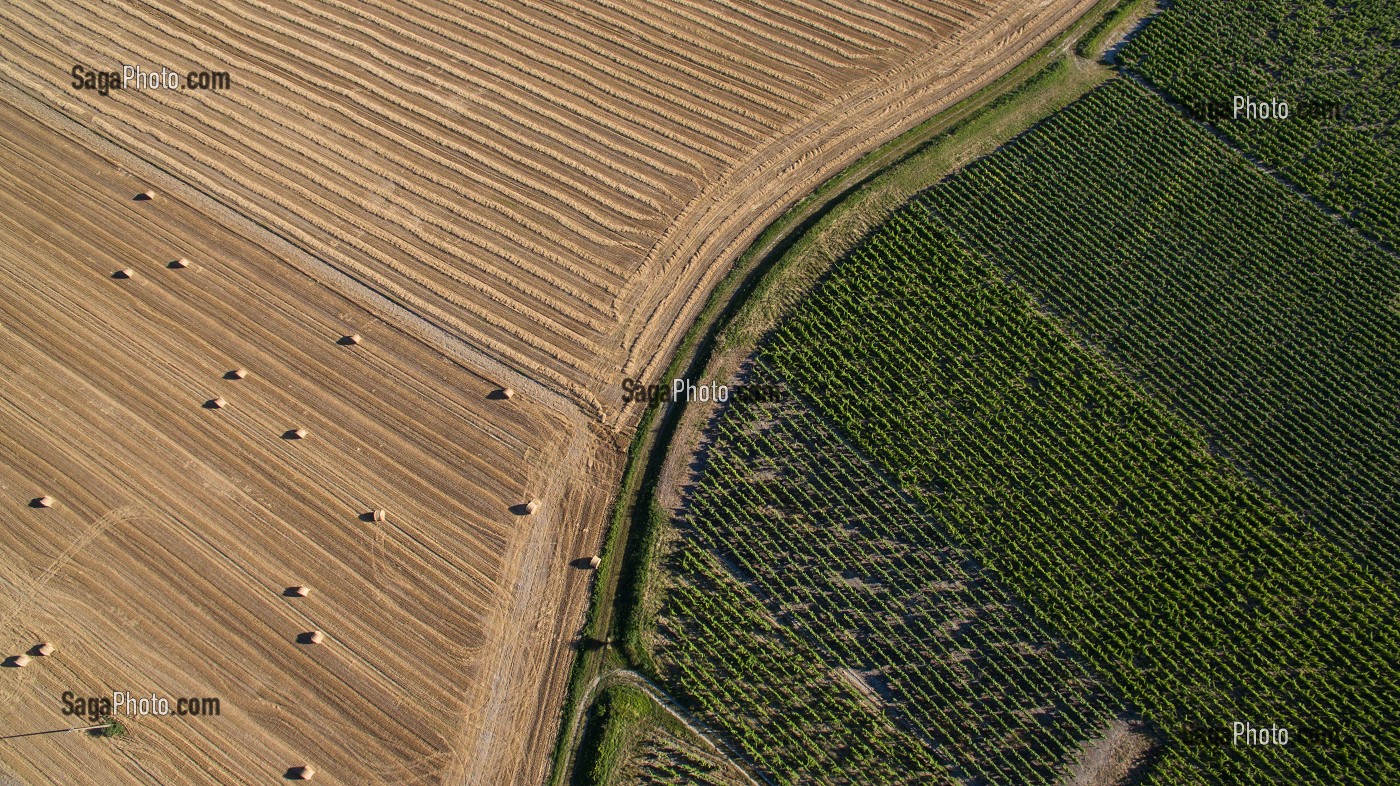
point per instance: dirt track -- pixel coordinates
(536, 193)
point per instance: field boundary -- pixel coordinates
(720, 747)
(611, 629)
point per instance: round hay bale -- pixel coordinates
(594, 561)
(217, 403)
(145, 196)
(19, 661)
(313, 637)
(42, 502)
(532, 507)
(304, 772)
(351, 340)
(44, 649)
(299, 591)
(238, 373)
(125, 272)
(298, 433)
(379, 515)
(179, 264)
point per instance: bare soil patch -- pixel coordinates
(1114, 758)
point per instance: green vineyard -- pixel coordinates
(1195, 595)
(657, 762)
(1067, 515)
(769, 691)
(1101, 432)
(1337, 65)
(1261, 320)
(876, 597)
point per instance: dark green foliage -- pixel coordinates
(858, 579)
(114, 728)
(612, 723)
(1186, 588)
(1320, 51)
(1261, 320)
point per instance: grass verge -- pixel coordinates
(613, 721)
(768, 278)
(1111, 26)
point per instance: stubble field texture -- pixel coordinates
(177, 526)
(554, 182)
(535, 195)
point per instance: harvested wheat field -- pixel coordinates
(553, 182)
(176, 527)
(396, 212)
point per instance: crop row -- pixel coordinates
(1337, 66)
(758, 683)
(1190, 591)
(499, 169)
(658, 760)
(876, 591)
(1266, 324)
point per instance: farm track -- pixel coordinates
(535, 194)
(723, 753)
